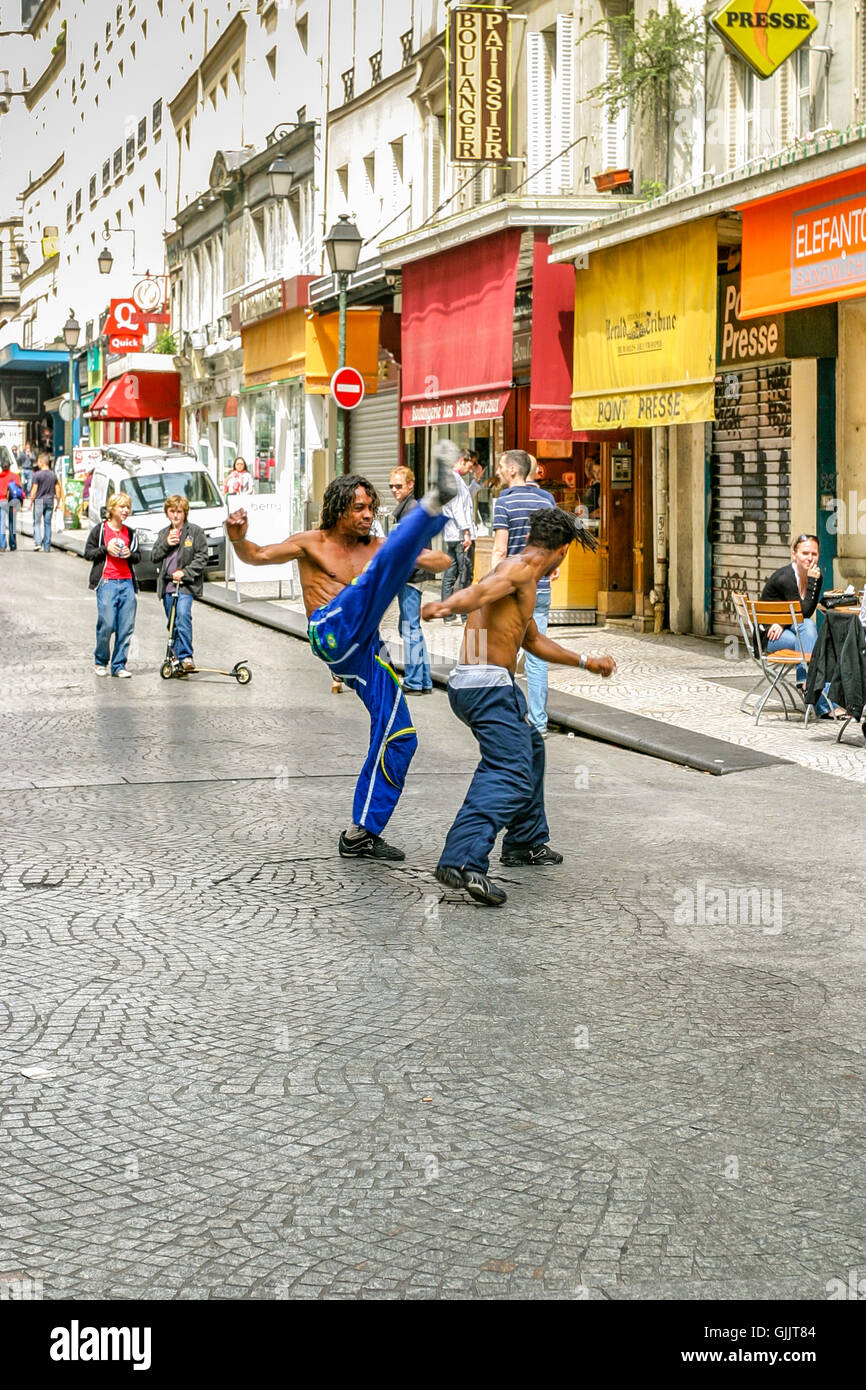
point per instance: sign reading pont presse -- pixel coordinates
(478, 84)
(764, 33)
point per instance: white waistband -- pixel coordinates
(480, 676)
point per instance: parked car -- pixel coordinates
(149, 476)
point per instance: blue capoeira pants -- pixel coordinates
(508, 786)
(345, 634)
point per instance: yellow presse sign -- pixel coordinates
(764, 32)
(645, 332)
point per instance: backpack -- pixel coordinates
(14, 492)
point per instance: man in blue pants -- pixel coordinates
(349, 578)
(507, 790)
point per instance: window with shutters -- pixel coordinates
(117, 163)
(802, 63)
(156, 117)
(106, 174)
(435, 163)
(92, 189)
(751, 115)
(550, 108)
(142, 134)
(614, 130)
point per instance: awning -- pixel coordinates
(457, 331)
(274, 348)
(147, 396)
(552, 345)
(805, 247)
(322, 347)
(645, 332)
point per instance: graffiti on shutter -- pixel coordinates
(751, 484)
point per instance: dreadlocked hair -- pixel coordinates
(339, 496)
(551, 527)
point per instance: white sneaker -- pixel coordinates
(123, 674)
(100, 670)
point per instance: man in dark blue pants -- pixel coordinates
(349, 578)
(507, 790)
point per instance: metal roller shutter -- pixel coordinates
(374, 449)
(751, 484)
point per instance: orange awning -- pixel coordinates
(274, 348)
(322, 349)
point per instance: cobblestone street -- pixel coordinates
(235, 1065)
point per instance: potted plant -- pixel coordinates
(612, 179)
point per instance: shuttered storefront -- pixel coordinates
(374, 448)
(751, 484)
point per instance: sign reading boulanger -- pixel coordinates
(645, 332)
(478, 72)
(764, 33)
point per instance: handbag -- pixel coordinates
(848, 600)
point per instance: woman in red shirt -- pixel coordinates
(112, 547)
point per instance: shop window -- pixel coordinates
(265, 440)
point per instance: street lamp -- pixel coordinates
(280, 176)
(105, 261)
(343, 245)
(71, 333)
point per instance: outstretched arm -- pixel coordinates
(436, 561)
(542, 647)
(493, 586)
(292, 548)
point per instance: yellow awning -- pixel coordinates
(274, 348)
(322, 349)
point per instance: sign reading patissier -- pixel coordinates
(645, 332)
(764, 33)
(478, 108)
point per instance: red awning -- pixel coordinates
(139, 396)
(458, 331)
(552, 345)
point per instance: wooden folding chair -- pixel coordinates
(775, 667)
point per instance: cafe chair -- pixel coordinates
(778, 669)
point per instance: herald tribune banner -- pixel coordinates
(645, 332)
(479, 109)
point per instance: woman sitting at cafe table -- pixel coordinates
(800, 582)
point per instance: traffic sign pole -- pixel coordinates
(341, 362)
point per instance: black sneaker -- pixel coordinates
(445, 456)
(476, 884)
(368, 846)
(537, 855)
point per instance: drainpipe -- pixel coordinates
(661, 463)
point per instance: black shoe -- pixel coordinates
(368, 846)
(445, 456)
(410, 690)
(476, 884)
(539, 854)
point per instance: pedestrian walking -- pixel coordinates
(45, 491)
(507, 790)
(511, 517)
(181, 554)
(349, 578)
(417, 679)
(459, 533)
(11, 497)
(113, 551)
(238, 482)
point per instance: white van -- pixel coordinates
(149, 476)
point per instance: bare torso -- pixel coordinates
(326, 565)
(495, 632)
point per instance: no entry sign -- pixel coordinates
(347, 387)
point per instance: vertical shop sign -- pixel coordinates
(478, 84)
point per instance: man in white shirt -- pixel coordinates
(459, 535)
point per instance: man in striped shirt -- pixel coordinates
(514, 506)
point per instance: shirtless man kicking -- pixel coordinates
(349, 577)
(508, 786)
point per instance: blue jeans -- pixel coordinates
(182, 636)
(536, 669)
(808, 630)
(7, 518)
(508, 786)
(115, 613)
(416, 663)
(42, 510)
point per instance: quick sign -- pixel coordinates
(764, 33)
(478, 73)
(124, 342)
(124, 317)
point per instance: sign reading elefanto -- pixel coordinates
(478, 84)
